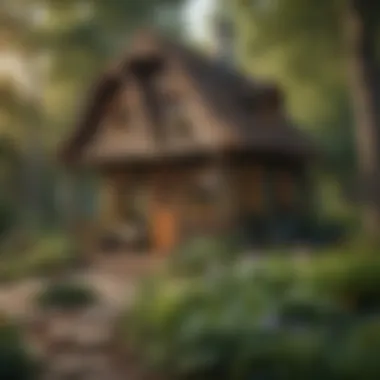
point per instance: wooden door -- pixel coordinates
(164, 227)
(163, 213)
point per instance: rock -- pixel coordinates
(85, 366)
(66, 364)
(80, 344)
(61, 327)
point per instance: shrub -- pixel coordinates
(352, 279)
(16, 362)
(7, 218)
(200, 255)
(208, 332)
(46, 256)
(55, 254)
(274, 319)
(358, 356)
(66, 296)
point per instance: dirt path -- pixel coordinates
(80, 346)
(115, 279)
(17, 299)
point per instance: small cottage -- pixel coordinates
(186, 145)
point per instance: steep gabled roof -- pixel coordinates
(222, 89)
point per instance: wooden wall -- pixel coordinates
(179, 204)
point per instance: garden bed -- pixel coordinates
(276, 318)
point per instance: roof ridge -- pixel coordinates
(222, 87)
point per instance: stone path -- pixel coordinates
(17, 299)
(80, 346)
(115, 279)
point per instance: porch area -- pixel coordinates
(151, 211)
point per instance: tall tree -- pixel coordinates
(323, 50)
(361, 25)
(67, 41)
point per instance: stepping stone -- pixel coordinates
(66, 364)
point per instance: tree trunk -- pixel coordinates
(360, 32)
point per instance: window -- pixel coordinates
(250, 182)
(285, 190)
(206, 189)
(255, 179)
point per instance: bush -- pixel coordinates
(358, 356)
(190, 331)
(66, 296)
(353, 280)
(274, 319)
(7, 218)
(46, 256)
(200, 255)
(50, 255)
(16, 363)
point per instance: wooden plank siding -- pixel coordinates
(285, 189)
(250, 181)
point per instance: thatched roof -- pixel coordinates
(224, 91)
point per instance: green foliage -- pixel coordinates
(358, 357)
(60, 47)
(301, 45)
(47, 256)
(16, 362)
(353, 279)
(66, 296)
(202, 254)
(7, 218)
(276, 318)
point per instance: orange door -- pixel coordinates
(164, 228)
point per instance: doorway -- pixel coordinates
(164, 227)
(163, 214)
